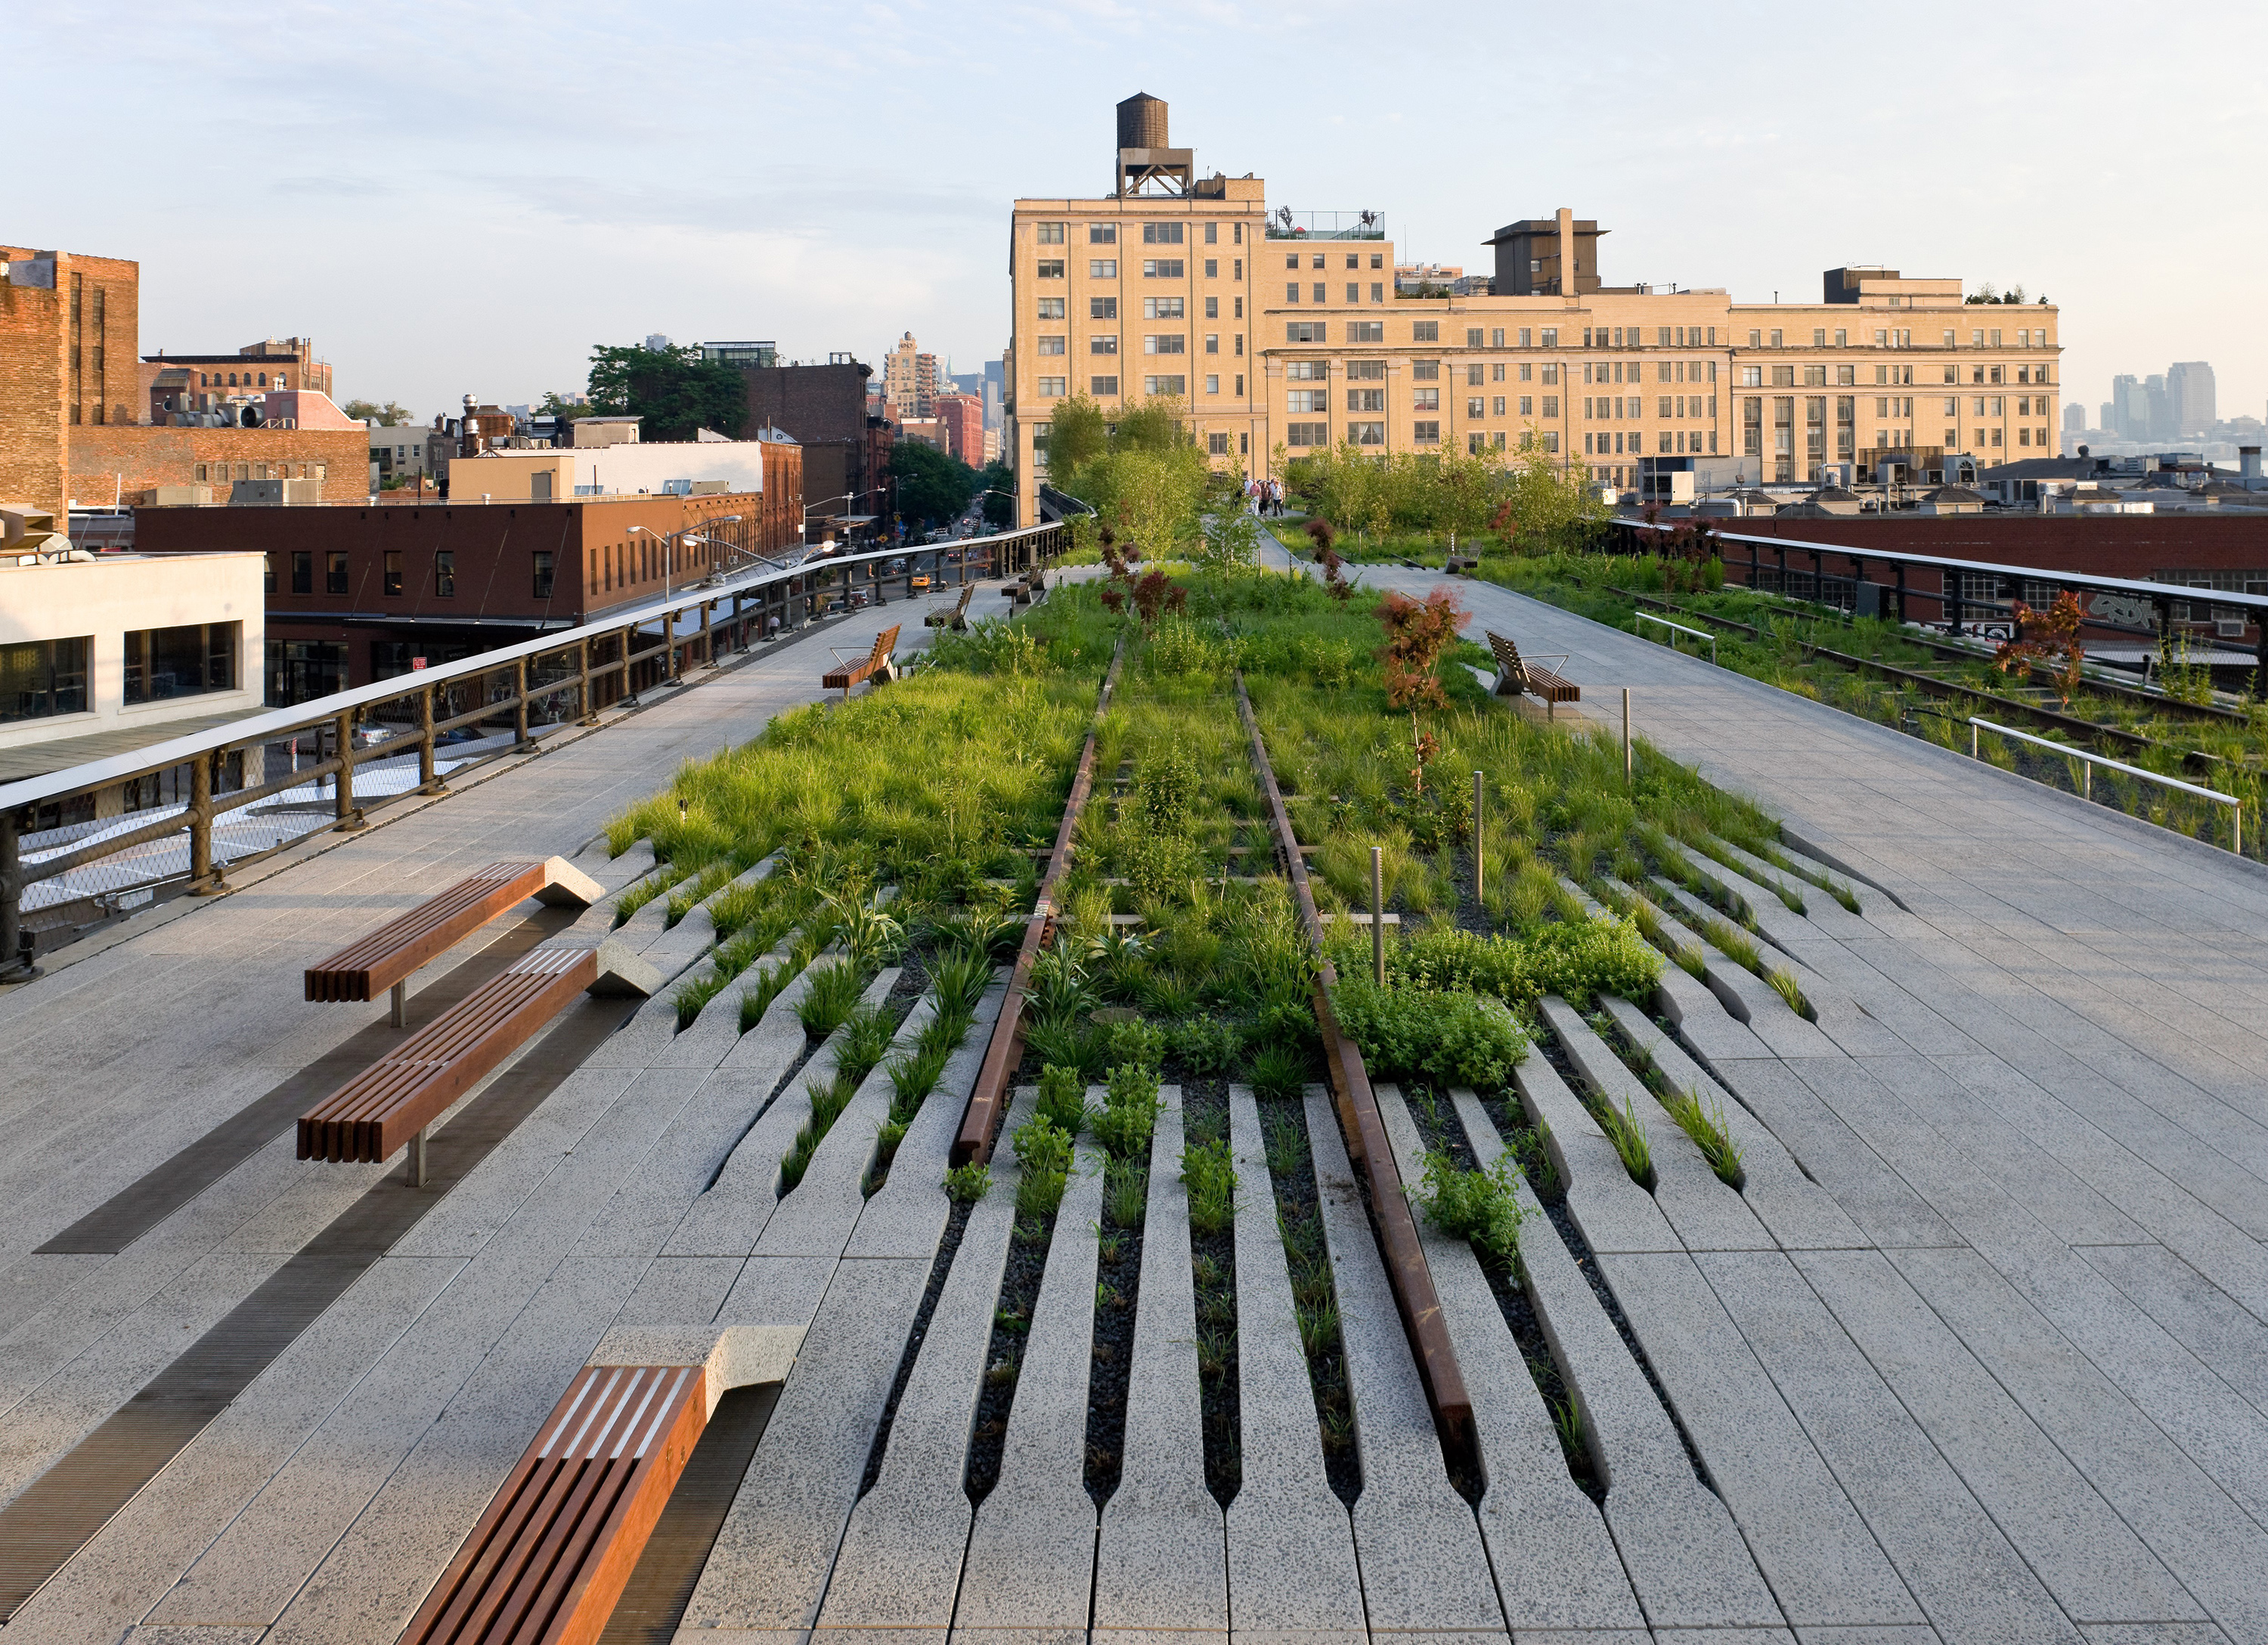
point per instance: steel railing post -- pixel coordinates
(428, 776)
(344, 809)
(707, 640)
(586, 714)
(15, 958)
(629, 698)
(669, 645)
(519, 704)
(202, 881)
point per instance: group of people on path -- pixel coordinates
(1265, 495)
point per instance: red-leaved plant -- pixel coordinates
(1417, 635)
(2043, 635)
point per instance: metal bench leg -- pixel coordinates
(401, 1004)
(417, 1160)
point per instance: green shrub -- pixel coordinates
(867, 1034)
(1043, 1153)
(1210, 1175)
(1483, 1206)
(1166, 788)
(1129, 1114)
(965, 1184)
(1057, 986)
(1456, 1038)
(1279, 1073)
(1627, 1132)
(831, 1000)
(960, 981)
(1579, 960)
(913, 1076)
(943, 1032)
(1206, 1044)
(1140, 1043)
(1062, 1041)
(1706, 1127)
(1063, 1098)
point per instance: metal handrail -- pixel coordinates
(1648, 616)
(335, 716)
(2235, 803)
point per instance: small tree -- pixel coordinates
(2043, 635)
(1416, 637)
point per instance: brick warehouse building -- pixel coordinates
(963, 416)
(845, 450)
(354, 595)
(73, 403)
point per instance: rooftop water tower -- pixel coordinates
(1145, 165)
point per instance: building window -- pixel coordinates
(1239, 380)
(393, 571)
(1425, 371)
(1051, 345)
(1051, 308)
(1365, 398)
(1300, 434)
(1212, 342)
(1050, 234)
(1097, 269)
(1354, 291)
(1366, 331)
(1308, 402)
(1162, 268)
(335, 574)
(1425, 331)
(1051, 387)
(1103, 342)
(41, 678)
(1475, 405)
(1291, 290)
(1528, 405)
(1307, 371)
(1051, 268)
(1475, 375)
(1161, 233)
(1319, 291)
(1217, 445)
(1367, 433)
(1212, 308)
(1103, 387)
(303, 572)
(1103, 308)
(444, 573)
(163, 663)
(1426, 399)
(543, 574)
(1175, 386)
(1212, 383)
(1427, 433)
(1103, 234)
(1161, 308)
(1551, 408)
(1165, 343)
(1366, 370)
(1305, 331)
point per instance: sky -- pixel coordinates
(458, 198)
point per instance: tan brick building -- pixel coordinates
(1280, 330)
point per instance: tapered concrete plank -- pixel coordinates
(2211, 1547)
(1424, 1567)
(347, 1537)
(651, 1200)
(1029, 1576)
(1161, 1559)
(899, 1568)
(2066, 1536)
(1614, 1212)
(1292, 1575)
(1882, 1203)
(778, 1036)
(1700, 1018)
(1553, 1558)
(1683, 1554)
(769, 1568)
(1705, 1214)
(906, 1215)
(2192, 1310)
(1799, 1212)
(1823, 1564)
(2153, 1634)
(817, 1216)
(138, 1557)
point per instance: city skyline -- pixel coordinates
(829, 237)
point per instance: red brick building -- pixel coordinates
(354, 594)
(846, 452)
(963, 416)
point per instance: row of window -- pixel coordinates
(1617, 408)
(1667, 443)
(1048, 346)
(1152, 233)
(39, 679)
(1847, 376)
(1353, 260)
(1664, 371)
(1353, 292)
(2027, 337)
(219, 473)
(1152, 308)
(1630, 337)
(1305, 436)
(212, 380)
(338, 574)
(1153, 268)
(1107, 387)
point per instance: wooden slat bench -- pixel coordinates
(389, 1105)
(956, 619)
(873, 666)
(383, 959)
(548, 1560)
(1515, 675)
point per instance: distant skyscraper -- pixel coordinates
(2130, 409)
(2189, 395)
(2110, 424)
(2161, 421)
(2074, 417)
(909, 378)
(657, 343)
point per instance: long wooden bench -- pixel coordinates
(387, 1106)
(383, 959)
(1515, 675)
(874, 665)
(956, 619)
(549, 1560)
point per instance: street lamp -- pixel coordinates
(686, 533)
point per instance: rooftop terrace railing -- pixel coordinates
(81, 844)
